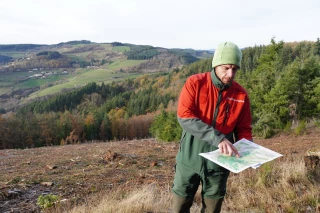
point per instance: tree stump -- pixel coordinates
(111, 156)
(312, 163)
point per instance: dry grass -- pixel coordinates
(145, 199)
(283, 186)
(148, 198)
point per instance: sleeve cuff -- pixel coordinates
(217, 137)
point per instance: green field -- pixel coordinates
(83, 78)
(4, 90)
(14, 54)
(38, 82)
(107, 47)
(124, 64)
(82, 55)
(8, 81)
(6, 84)
(12, 77)
(120, 49)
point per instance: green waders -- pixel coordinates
(186, 183)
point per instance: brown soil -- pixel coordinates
(76, 171)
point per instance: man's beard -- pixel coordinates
(227, 81)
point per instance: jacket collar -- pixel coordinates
(216, 81)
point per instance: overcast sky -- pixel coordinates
(196, 24)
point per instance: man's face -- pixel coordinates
(226, 72)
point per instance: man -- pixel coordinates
(213, 111)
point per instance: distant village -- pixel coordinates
(45, 74)
(42, 74)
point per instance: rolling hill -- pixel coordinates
(29, 71)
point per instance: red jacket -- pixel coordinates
(209, 111)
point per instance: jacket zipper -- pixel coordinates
(217, 109)
(226, 114)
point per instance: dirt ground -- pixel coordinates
(76, 171)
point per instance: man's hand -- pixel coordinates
(226, 147)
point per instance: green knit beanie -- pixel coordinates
(227, 53)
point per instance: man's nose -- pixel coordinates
(230, 73)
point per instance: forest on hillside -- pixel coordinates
(282, 79)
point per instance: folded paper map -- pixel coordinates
(252, 155)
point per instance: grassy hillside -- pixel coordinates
(84, 77)
(121, 49)
(84, 62)
(15, 55)
(123, 64)
(21, 80)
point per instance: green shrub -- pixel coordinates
(287, 128)
(267, 125)
(165, 127)
(265, 174)
(15, 180)
(47, 201)
(301, 128)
